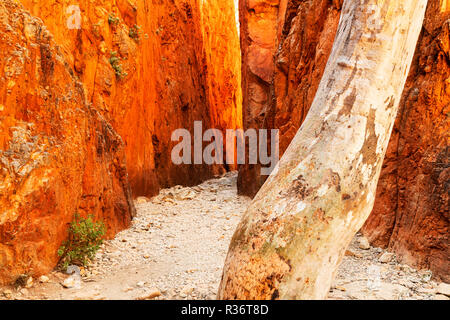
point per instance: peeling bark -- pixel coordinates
(293, 236)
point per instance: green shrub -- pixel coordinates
(135, 32)
(85, 238)
(113, 20)
(114, 60)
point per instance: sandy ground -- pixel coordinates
(176, 250)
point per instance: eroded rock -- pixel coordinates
(58, 155)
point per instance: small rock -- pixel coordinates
(350, 253)
(150, 295)
(426, 290)
(141, 284)
(386, 257)
(7, 293)
(426, 275)
(72, 282)
(141, 200)
(187, 290)
(43, 279)
(444, 288)
(24, 291)
(29, 282)
(363, 243)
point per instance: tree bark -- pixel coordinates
(294, 234)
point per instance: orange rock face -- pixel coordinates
(223, 65)
(411, 215)
(177, 64)
(139, 68)
(58, 155)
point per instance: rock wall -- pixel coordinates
(181, 68)
(223, 72)
(58, 155)
(411, 215)
(141, 68)
(260, 30)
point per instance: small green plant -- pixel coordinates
(135, 32)
(85, 238)
(113, 20)
(114, 60)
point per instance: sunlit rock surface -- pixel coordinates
(58, 155)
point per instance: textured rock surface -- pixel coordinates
(223, 73)
(260, 34)
(58, 155)
(178, 71)
(411, 214)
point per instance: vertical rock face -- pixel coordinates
(140, 68)
(411, 214)
(307, 39)
(260, 22)
(223, 64)
(58, 155)
(177, 64)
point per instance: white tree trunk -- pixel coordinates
(294, 234)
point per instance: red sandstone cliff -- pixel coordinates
(180, 69)
(411, 214)
(58, 156)
(223, 66)
(260, 34)
(139, 68)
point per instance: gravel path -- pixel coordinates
(176, 250)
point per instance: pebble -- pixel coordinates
(29, 282)
(386, 257)
(141, 200)
(364, 243)
(43, 279)
(152, 294)
(351, 253)
(72, 282)
(7, 293)
(187, 290)
(443, 288)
